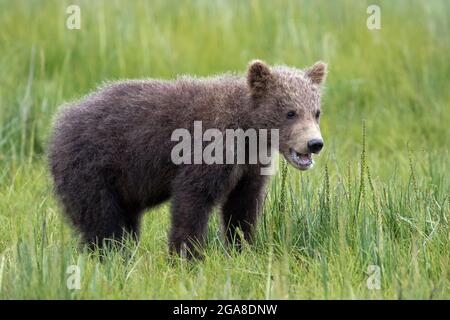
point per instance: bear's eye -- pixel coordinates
(317, 114)
(291, 115)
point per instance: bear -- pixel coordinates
(110, 154)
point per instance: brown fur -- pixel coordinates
(110, 153)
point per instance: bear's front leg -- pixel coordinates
(242, 207)
(190, 213)
(196, 189)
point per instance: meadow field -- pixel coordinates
(375, 207)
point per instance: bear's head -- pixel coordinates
(288, 99)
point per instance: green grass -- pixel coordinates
(378, 198)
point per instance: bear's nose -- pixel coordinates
(315, 145)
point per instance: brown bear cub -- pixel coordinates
(111, 153)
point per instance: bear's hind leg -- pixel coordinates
(107, 223)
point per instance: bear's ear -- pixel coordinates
(258, 77)
(317, 73)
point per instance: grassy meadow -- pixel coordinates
(378, 195)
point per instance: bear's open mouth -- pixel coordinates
(302, 160)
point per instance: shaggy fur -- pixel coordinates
(110, 153)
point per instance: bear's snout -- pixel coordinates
(315, 145)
